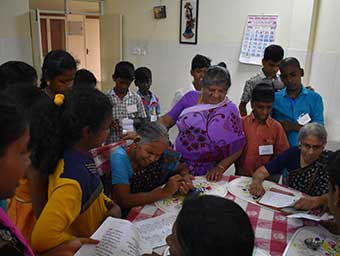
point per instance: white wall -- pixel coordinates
(220, 30)
(15, 40)
(325, 73)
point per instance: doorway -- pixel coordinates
(95, 41)
(77, 34)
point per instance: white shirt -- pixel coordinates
(181, 92)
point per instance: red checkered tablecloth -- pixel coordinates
(272, 229)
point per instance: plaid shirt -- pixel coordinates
(119, 111)
(258, 78)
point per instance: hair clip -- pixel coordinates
(59, 99)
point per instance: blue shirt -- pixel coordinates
(121, 169)
(286, 108)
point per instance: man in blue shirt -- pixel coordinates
(295, 105)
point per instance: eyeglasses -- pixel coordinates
(314, 147)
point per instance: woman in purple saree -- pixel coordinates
(210, 135)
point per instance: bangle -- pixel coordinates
(221, 167)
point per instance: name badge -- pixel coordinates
(304, 119)
(153, 118)
(266, 150)
(131, 108)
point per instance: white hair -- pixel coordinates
(314, 129)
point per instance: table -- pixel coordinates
(272, 229)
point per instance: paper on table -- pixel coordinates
(309, 216)
(277, 200)
(117, 237)
(155, 230)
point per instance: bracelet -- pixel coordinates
(221, 167)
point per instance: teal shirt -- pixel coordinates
(286, 108)
(121, 169)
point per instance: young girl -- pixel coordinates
(20, 208)
(76, 204)
(14, 160)
(58, 70)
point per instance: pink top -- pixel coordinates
(6, 222)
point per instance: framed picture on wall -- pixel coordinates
(188, 22)
(159, 12)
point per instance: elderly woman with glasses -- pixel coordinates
(305, 165)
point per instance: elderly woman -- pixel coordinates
(210, 135)
(128, 162)
(305, 164)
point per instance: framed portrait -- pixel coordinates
(188, 22)
(159, 12)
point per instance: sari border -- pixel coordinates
(203, 107)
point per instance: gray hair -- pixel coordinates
(314, 129)
(217, 75)
(152, 131)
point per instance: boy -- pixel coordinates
(265, 137)
(295, 105)
(143, 80)
(127, 105)
(199, 67)
(272, 57)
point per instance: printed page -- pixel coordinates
(277, 200)
(117, 237)
(155, 230)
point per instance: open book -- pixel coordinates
(123, 238)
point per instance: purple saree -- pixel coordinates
(209, 133)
